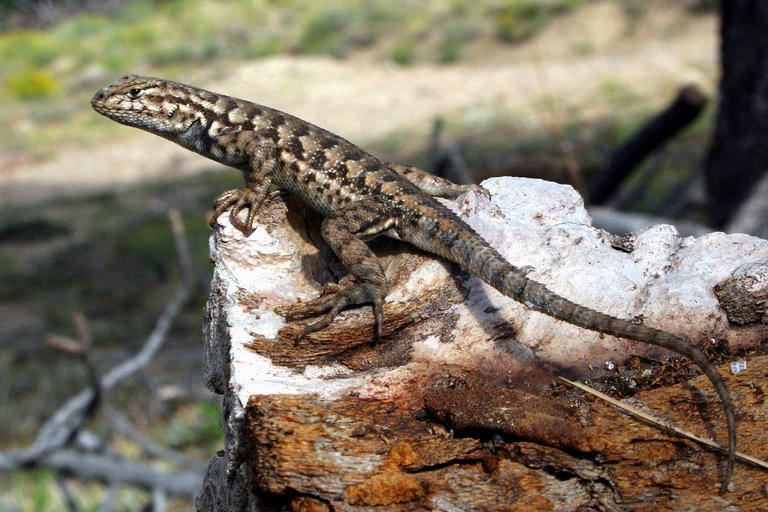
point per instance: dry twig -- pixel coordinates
(65, 425)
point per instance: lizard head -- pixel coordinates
(152, 104)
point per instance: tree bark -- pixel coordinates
(738, 154)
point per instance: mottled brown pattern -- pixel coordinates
(361, 197)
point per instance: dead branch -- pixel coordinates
(69, 499)
(685, 108)
(110, 470)
(65, 425)
(152, 448)
(449, 162)
(109, 502)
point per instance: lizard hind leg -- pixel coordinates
(345, 231)
(435, 185)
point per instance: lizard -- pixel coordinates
(361, 198)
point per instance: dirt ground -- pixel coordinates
(567, 70)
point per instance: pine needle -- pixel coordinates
(634, 411)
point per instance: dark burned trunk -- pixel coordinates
(739, 152)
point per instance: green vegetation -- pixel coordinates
(177, 33)
(32, 84)
(517, 20)
(52, 72)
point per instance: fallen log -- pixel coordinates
(457, 407)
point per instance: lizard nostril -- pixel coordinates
(99, 96)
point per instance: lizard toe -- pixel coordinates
(332, 303)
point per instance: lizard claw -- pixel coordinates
(478, 189)
(526, 270)
(238, 199)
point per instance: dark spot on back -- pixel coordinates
(308, 177)
(449, 240)
(341, 169)
(352, 154)
(277, 120)
(301, 130)
(207, 96)
(372, 166)
(270, 133)
(295, 147)
(327, 143)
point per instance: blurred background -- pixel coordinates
(619, 98)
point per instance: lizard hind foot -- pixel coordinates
(332, 302)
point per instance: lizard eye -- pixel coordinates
(134, 93)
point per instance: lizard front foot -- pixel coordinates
(334, 299)
(239, 199)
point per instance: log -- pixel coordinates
(457, 408)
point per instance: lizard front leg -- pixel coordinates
(345, 231)
(262, 167)
(434, 185)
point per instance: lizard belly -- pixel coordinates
(306, 192)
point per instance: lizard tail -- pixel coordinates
(485, 262)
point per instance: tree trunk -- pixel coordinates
(739, 155)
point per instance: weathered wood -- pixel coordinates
(455, 409)
(353, 453)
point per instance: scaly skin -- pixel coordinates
(360, 197)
